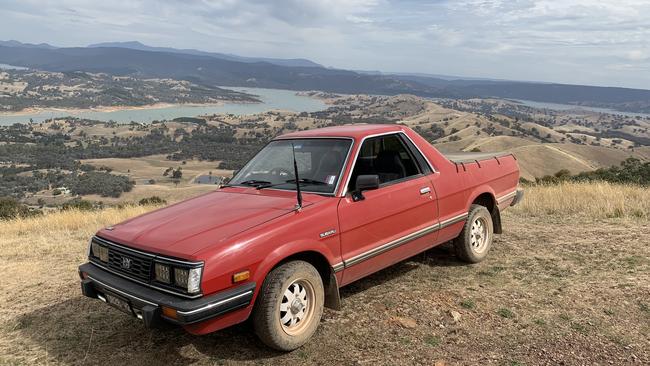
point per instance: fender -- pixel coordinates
(479, 191)
(304, 247)
(495, 213)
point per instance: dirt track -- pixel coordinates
(554, 290)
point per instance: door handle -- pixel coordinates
(425, 190)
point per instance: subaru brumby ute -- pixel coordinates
(311, 212)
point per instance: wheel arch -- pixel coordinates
(485, 197)
(316, 258)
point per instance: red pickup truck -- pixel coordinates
(313, 211)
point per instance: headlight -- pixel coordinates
(162, 273)
(99, 251)
(188, 278)
(180, 277)
(185, 278)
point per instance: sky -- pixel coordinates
(587, 42)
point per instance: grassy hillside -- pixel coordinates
(566, 283)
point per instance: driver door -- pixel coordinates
(393, 222)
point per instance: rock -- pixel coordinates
(455, 315)
(408, 323)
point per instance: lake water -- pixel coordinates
(272, 99)
(566, 107)
(11, 67)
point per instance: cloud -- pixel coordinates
(576, 41)
(638, 55)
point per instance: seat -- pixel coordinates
(389, 166)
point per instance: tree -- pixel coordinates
(177, 175)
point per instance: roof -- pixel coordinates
(356, 131)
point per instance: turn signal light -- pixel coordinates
(241, 276)
(169, 312)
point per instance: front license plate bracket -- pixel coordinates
(119, 303)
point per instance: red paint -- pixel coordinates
(238, 228)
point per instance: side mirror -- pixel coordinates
(365, 183)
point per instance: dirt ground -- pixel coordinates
(555, 290)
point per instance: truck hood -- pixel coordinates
(182, 229)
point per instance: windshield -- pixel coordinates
(320, 164)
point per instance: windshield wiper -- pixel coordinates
(303, 181)
(254, 183)
(308, 181)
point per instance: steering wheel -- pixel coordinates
(281, 172)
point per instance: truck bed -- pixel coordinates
(470, 157)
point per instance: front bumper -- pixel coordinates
(147, 304)
(518, 197)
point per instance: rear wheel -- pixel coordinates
(290, 305)
(475, 240)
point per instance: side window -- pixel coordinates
(387, 157)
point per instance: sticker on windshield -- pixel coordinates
(330, 179)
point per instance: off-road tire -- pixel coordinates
(466, 244)
(267, 319)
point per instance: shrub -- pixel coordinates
(10, 209)
(78, 204)
(152, 201)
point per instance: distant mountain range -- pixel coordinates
(298, 62)
(134, 58)
(12, 43)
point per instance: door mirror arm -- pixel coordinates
(364, 183)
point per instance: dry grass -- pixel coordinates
(559, 288)
(593, 200)
(74, 222)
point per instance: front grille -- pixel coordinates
(135, 266)
(138, 265)
(129, 262)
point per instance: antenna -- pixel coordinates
(295, 173)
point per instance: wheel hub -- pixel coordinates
(296, 306)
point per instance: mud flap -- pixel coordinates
(332, 296)
(496, 219)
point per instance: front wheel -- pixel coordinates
(474, 242)
(289, 306)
